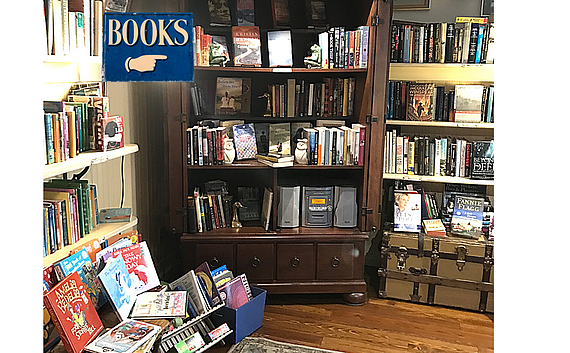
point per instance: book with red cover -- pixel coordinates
(140, 266)
(113, 133)
(72, 312)
(247, 46)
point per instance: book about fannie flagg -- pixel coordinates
(247, 46)
(420, 102)
(73, 314)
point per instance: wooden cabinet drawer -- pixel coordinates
(335, 261)
(256, 260)
(216, 255)
(295, 262)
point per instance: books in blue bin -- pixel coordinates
(233, 293)
(81, 263)
(118, 286)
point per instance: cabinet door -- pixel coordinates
(216, 255)
(256, 260)
(335, 261)
(295, 262)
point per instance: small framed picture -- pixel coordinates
(411, 4)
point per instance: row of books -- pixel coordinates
(74, 27)
(422, 155)
(80, 124)
(467, 40)
(332, 97)
(338, 48)
(341, 145)
(70, 211)
(415, 101)
(208, 210)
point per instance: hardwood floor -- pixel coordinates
(381, 325)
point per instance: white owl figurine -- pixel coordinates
(229, 151)
(301, 151)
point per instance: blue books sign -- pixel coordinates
(148, 47)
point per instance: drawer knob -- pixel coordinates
(295, 261)
(214, 262)
(255, 261)
(335, 262)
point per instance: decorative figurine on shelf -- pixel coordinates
(313, 61)
(218, 55)
(268, 110)
(229, 151)
(301, 151)
(235, 220)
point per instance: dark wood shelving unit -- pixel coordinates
(303, 259)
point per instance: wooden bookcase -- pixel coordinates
(298, 260)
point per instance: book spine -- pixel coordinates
(479, 44)
(191, 214)
(473, 39)
(332, 61)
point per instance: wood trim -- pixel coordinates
(440, 281)
(313, 287)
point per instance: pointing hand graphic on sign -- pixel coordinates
(143, 63)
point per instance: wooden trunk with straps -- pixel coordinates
(447, 271)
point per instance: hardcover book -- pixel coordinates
(81, 263)
(407, 211)
(73, 314)
(316, 13)
(233, 95)
(156, 305)
(125, 337)
(118, 287)
(280, 13)
(468, 103)
(280, 138)
(189, 282)
(247, 46)
(467, 219)
(245, 13)
(420, 102)
(483, 160)
(233, 293)
(244, 141)
(113, 133)
(115, 215)
(262, 138)
(266, 208)
(279, 47)
(140, 266)
(433, 227)
(219, 13)
(203, 272)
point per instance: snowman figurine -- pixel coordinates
(301, 151)
(229, 151)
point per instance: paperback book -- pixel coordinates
(245, 13)
(157, 305)
(483, 160)
(234, 294)
(244, 141)
(113, 133)
(219, 13)
(266, 207)
(468, 103)
(72, 313)
(279, 47)
(420, 102)
(233, 95)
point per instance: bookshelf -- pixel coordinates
(330, 259)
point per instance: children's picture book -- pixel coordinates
(115, 215)
(80, 262)
(244, 141)
(234, 294)
(203, 272)
(280, 138)
(468, 101)
(118, 286)
(188, 282)
(219, 13)
(467, 219)
(157, 305)
(279, 47)
(74, 316)
(233, 95)
(107, 252)
(420, 101)
(280, 13)
(407, 211)
(247, 46)
(190, 344)
(125, 337)
(245, 13)
(483, 160)
(113, 133)
(140, 266)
